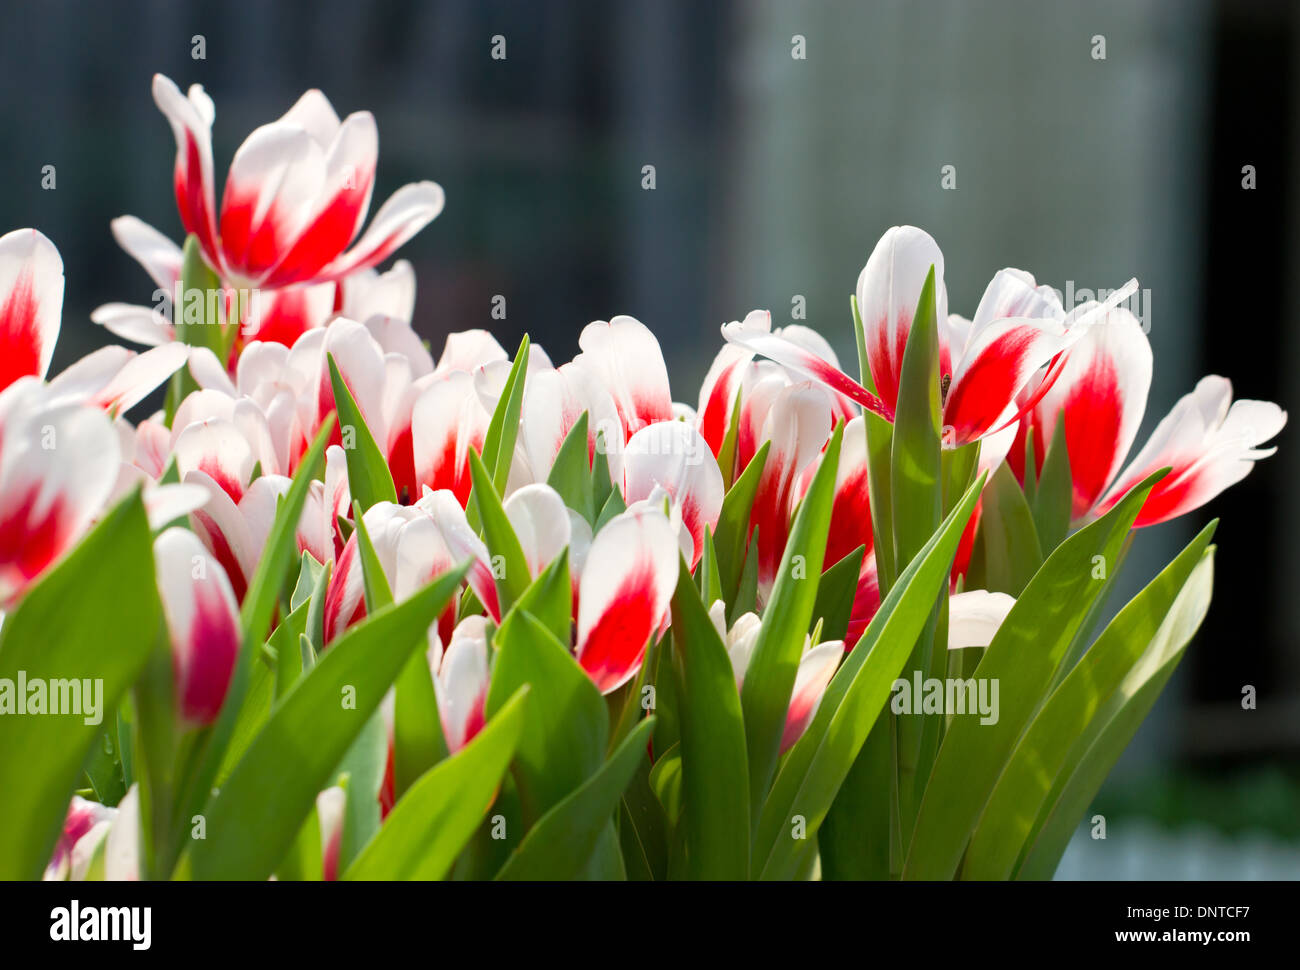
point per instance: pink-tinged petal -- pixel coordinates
(202, 621)
(83, 816)
(975, 616)
(152, 447)
(58, 467)
(805, 363)
(191, 122)
(407, 211)
(275, 179)
(888, 290)
(999, 361)
(1209, 441)
(673, 456)
(1102, 390)
(447, 421)
(541, 522)
(624, 356)
(345, 600)
(449, 516)
(138, 324)
(224, 531)
(330, 807)
(341, 205)
(797, 424)
(368, 293)
(216, 448)
(866, 602)
(462, 683)
(160, 257)
(31, 304)
(851, 509)
(284, 315)
(468, 350)
(627, 583)
(816, 669)
(122, 846)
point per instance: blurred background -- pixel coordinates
(1084, 142)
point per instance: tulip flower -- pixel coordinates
(817, 666)
(202, 624)
(58, 467)
(84, 828)
(235, 521)
(331, 804)
(296, 195)
(1208, 441)
(627, 584)
(734, 370)
(461, 680)
(1017, 329)
(797, 422)
(414, 544)
(673, 456)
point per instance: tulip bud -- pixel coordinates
(202, 622)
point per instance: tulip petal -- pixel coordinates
(627, 584)
(31, 304)
(804, 362)
(160, 257)
(816, 668)
(975, 616)
(462, 683)
(541, 522)
(448, 419)
(216, 448)
(797, 424)
(624, 356)
(407, 211)
(1102, 389)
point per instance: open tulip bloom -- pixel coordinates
(377, 613)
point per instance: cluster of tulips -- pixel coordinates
(361, 612)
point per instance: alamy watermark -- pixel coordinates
(930, 695)
(83, 697)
